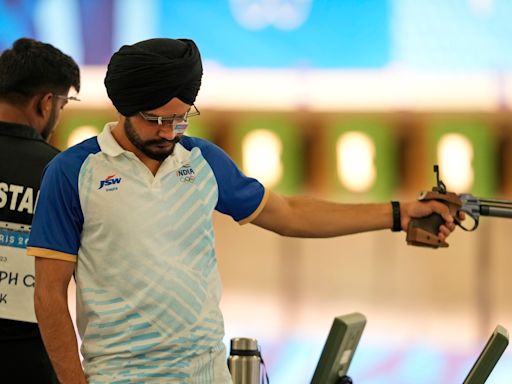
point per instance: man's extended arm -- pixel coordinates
(310, 217)
(51, 306)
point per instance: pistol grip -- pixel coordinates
(423, 232)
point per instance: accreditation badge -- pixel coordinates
(17, 274)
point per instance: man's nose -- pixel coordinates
(166, 132)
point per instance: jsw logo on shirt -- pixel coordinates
(109, 181)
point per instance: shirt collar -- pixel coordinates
(107, 143)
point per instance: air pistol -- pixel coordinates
(424, 231)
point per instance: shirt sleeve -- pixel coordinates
(58, 217)
(240, 197)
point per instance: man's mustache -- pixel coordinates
(163, 141)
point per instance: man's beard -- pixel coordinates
(50, 125)
(149, 147)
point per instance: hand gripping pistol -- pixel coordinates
(423, 231)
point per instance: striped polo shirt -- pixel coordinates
(148, 287)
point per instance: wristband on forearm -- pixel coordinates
(397, 221)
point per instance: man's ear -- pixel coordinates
(45, 104)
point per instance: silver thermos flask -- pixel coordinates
(244, 361)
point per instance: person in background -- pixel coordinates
(130, 214)
(35, 79)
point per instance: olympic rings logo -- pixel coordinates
(187, 179)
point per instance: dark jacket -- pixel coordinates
(23, 156)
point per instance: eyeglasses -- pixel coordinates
(67, 98)
(179, 123)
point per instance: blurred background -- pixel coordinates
(348, 100)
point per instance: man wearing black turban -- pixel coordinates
(160, 76)
(130, 214)
(147, 75)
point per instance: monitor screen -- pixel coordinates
(488, 357)
(339, 348)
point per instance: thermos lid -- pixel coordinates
(244, 344)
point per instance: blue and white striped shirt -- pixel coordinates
(148, 287)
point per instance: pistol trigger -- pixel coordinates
(468, 212)
(476, 224)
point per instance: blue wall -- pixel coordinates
(415, 34)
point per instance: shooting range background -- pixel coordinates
(403, 72)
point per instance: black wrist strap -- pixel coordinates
(397, 220)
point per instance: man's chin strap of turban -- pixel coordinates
(148, 74)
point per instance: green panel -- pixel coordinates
(385, 158)
(74, 119)
(291, 155)
(481, 136)
(199, 127)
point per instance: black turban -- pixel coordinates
(148, 74)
